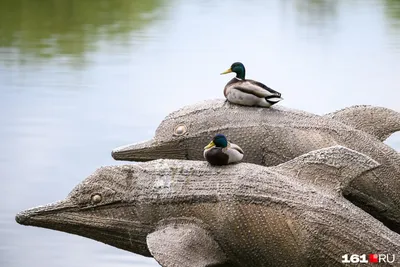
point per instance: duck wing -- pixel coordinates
(272, 91)
(236, 147)
(256, 88)
(215, 156)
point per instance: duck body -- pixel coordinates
(247, 92)
(215, 156)
(250, 93)
(221, 152)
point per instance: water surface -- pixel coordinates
(80, 77)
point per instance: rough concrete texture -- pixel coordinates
(187, 213)
(276, 135)
(377, 121)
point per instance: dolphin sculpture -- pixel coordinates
(273, 136)
(378, 121)
(188, 214)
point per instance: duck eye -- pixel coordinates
(96, 198)
(180, 130)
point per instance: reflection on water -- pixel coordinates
(392, 11)
(78, 78)
(317, 12)
(392, 8)
(51, 28)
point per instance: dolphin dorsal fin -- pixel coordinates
(331, 168)
(377, 121)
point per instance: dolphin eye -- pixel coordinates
(180, 130)
(96, 198)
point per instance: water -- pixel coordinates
(80, 77)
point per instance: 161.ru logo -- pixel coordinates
(370, 258)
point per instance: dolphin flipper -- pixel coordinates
(377, 121)
(332, 168)
(185, 245)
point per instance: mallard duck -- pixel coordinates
(222, 152)
(248, 92)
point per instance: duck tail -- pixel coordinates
(273, 99)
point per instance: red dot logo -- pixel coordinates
(373, 258)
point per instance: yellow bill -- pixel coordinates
(227, 71)
(210, 145)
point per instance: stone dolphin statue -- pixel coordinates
(188, 214)
(378, 121)
(276, 135)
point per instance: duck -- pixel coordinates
(222, 152)
(247, 92)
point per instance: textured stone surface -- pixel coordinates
(186, 213)
(378, 121)
(276, 135)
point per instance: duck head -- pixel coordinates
(219, 140)
(238, 68)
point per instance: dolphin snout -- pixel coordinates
(42, 214)
(22, 218)
(150, 150)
